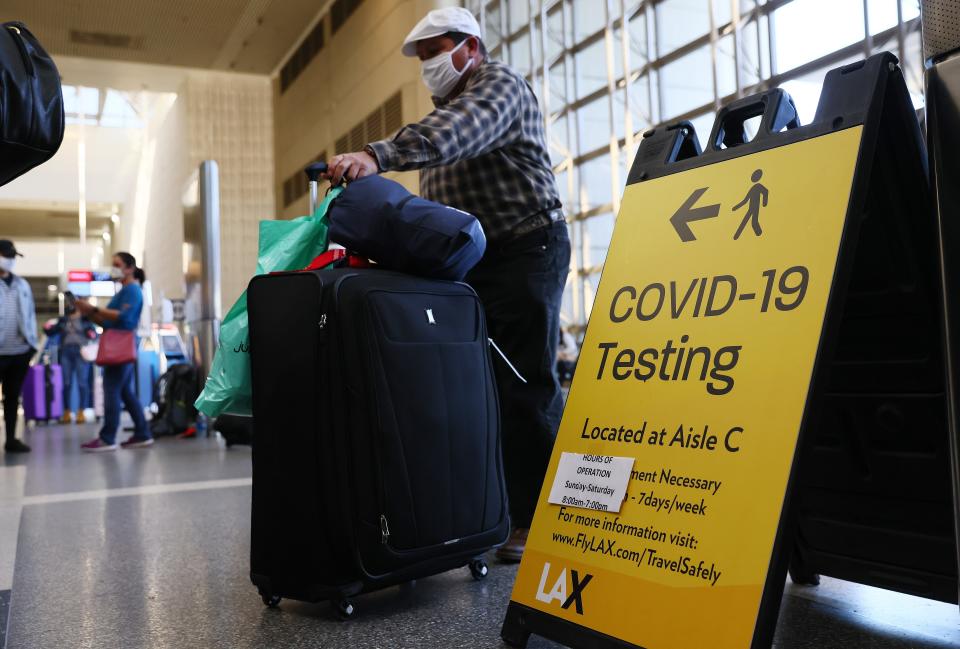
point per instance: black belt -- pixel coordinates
(537, 221)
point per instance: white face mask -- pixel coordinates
(116, 273)
(440, 75)
(7, 263)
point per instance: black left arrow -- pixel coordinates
(687, 213)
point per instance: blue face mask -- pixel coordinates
(7, 263)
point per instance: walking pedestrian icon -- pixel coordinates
(752, 200)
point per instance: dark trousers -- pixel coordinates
(13, 370)
(119, 393)
(73, 365)
(520, 284)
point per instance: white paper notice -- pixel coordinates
(591, 481)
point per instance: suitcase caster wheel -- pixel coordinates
(479, 569)
(270, 600)
(345, 609)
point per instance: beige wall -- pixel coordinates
(223, 117)
(229, 119)
(358, 69)
(151, 220)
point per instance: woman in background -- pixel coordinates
(122, 312)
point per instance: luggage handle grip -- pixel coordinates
(314, 169)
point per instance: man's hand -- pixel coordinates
(350, 165)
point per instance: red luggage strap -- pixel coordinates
(338, 256)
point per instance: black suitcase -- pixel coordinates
(376, 455)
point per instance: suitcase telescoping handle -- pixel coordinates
(313, 171)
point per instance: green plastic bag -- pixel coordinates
(283, 245)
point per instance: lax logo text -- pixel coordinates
(559, 590)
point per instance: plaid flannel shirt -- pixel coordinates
(483, 152)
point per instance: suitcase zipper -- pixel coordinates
(384, 530)
(381, 488)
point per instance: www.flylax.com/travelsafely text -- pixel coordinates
(647, 557)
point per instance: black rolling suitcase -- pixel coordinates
(376, 455)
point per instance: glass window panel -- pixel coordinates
(806, 90)
(726, 67)
(492, 37)
(519, 14)
(520, 54)
(749, 55)
(590, 284)
(567, 186)
(69, 99)
(703, 125)
(687, 83)
(679, 22)
(81, 100)
(913, 71)
(118, 112)
(558, 86)
(881, 15)
(591, 69)
(638, 39)
(617, 53)
(590, 17)
(804, 33)
(554, 34)
(765, 65)
(911, 9)
(595, 182)
(559, 141)
(619, 115)
(562, 186)
(721, 12)
(567, 316)
(640, 104)
(597, 231)
(594, 124)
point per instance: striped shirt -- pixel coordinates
(12, 342)
(483, 152)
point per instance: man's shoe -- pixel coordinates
(137, 442)
(512, 550)
(97, 446)
(16, 446)
(80, 418)
(67, 417)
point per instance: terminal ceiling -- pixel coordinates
(232, 35)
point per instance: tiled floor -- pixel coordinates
(149, 549)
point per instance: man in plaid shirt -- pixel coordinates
(483, 150)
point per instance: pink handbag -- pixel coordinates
(116, 347)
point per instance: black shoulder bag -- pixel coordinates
(31, 103)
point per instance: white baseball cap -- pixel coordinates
(439, 22)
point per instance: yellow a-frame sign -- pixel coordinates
(662, 520)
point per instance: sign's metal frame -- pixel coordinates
(871, 93)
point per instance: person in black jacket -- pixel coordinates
(75, 331)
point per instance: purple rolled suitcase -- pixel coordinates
(43, 393)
